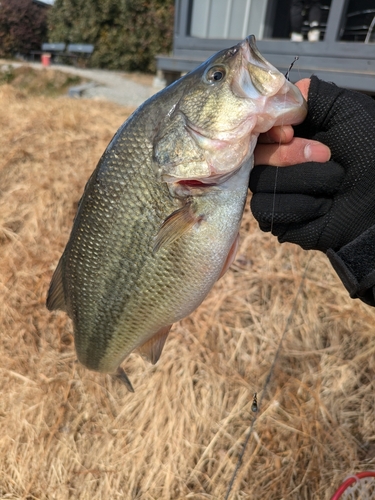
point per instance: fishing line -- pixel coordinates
(277, 168)
(268, 379)
(256, 405)
(274, 198)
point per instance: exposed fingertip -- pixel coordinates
(286, 133)
(304, 85)
(278, 134)
(317, 152)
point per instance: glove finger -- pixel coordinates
(307, 236)
(287, 209)
(311, 178)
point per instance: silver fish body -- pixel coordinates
(159, 218)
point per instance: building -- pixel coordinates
(345, 53)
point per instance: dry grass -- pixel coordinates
(37, 82)
(67, 433)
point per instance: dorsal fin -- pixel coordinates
(55, 297)
(176, 225)
(152, 349)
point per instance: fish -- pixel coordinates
(158, 222)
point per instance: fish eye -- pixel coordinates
(215, 74)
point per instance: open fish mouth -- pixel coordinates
(266, 79)
(258, 79)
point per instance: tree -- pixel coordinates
(23, 27)
(127, 34)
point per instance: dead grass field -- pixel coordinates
(36, 82)
(67, 433)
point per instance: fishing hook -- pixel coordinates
(290, 67)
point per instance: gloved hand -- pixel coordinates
(323, 205)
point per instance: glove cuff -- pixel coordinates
(355, 265)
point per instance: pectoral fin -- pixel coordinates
(152, 349)
(56, 298)
(176, 225)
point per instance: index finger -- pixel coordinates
(298, 150)
(279, 134)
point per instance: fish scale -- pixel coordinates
(158, 222)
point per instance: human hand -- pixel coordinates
(320, 205)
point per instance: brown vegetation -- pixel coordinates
(36, 82)
(67, 433)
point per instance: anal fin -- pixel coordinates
(123, 378)
(176, 225)
(55, 297)
(230, 257)
(152, 348)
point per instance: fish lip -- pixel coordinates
(258, 74)
(267, 81)
(250, 44)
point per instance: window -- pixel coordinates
(359, 23)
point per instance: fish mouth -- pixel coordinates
(257, 77)
(266, 78)
(259, 80)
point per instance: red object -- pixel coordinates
(46, 59)
(351, 480)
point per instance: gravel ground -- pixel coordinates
(122, 88)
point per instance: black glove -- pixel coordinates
(328, 205)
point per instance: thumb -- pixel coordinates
(304, 86)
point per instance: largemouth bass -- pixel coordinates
(158, 221)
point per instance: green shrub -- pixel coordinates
(7, 74)
(127, 34)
